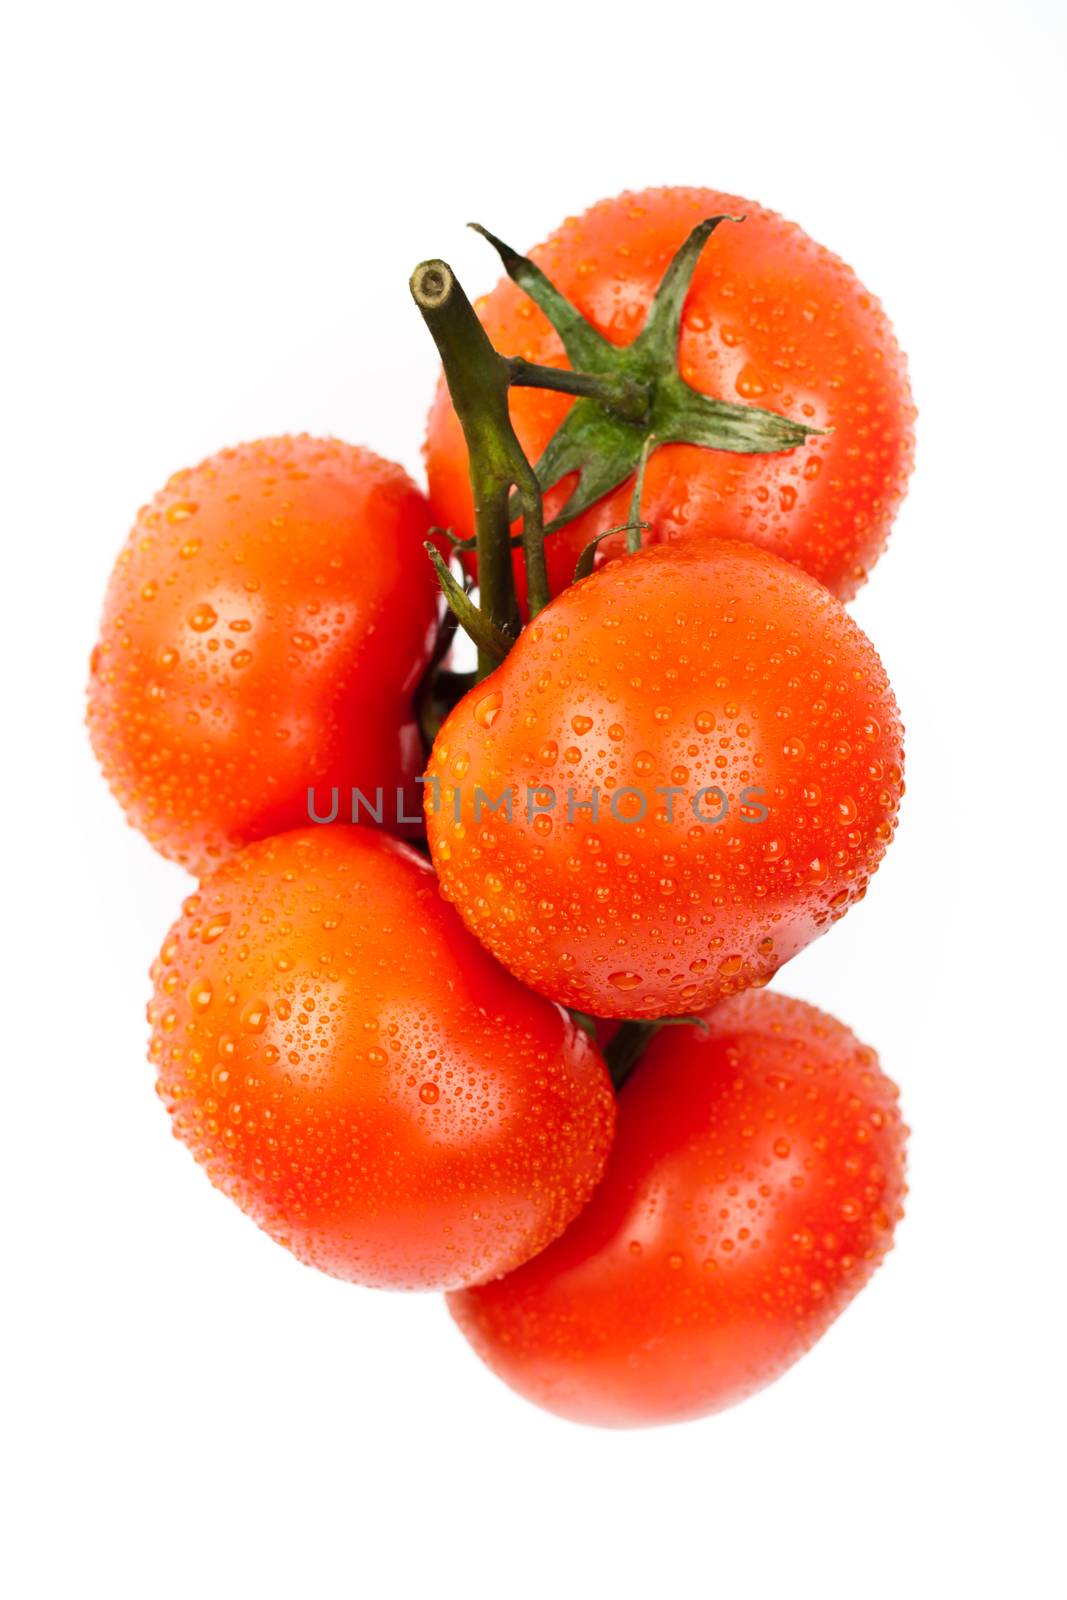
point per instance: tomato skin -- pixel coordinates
(772, 319)
(699, 664)
(753, 1187)
(263, 631)
(348, 1064)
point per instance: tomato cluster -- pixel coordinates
(522, 1053)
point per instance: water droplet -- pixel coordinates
(254, 1016)
(749, 383)
(203, 617)
(488, 707)
(625, 980)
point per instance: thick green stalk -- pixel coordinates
(627, 1048)
(478, 380)
(631, 1042)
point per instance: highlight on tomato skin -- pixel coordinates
(754, 1186)
(263, 632)
(701, 669)
(348, 1064)
(772, 319)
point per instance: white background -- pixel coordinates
(210, 215)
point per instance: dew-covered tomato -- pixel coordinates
(349, 1065)
(772, 319)
(263, 631)
(701, 755)
(753, 1187)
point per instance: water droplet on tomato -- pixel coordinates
(488, 707)
(254, 1016)
(749, 383)
(625, 980)
(200, 994)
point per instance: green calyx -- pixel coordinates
(627, 403)
(628, 396)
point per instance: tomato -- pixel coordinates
(737, 737)
(772, 319)
(263, 632)
(348, 1064)
(753, 1187)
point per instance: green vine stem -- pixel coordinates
(632, 1039)
(627, 397)
(478, 380)
(493, 643)
(635, 525)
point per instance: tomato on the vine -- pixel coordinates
(701, 757)
(264, 629)
(753, 1187)
(773, 320)
(354, 1070)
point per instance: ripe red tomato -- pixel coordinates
(772, 319)
(263, 631)
(348, 1064)
(738, 736)
(753, 1187)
